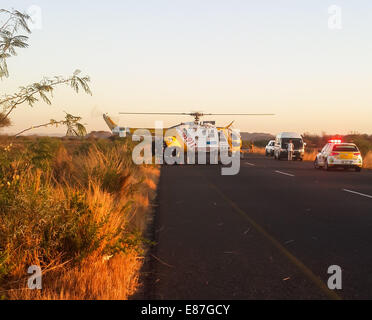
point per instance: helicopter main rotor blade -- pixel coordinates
(196, 113)
(172, 113)
(238, 114)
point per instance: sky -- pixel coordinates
(215, 56)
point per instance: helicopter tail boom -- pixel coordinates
(111, 124)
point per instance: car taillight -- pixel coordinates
(335, 154)
(357, 154)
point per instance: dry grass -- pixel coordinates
(256, 150)
(259, 150)
(80, 217)
(310, 155)
(97, 278)
(367, 161)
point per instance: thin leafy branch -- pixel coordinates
(74, 127)
(11, 23)
(41, 90)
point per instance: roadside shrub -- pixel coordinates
(67, 211)
(363, 144)
(43, 150)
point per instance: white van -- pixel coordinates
(281, 145)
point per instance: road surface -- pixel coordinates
(270, 232)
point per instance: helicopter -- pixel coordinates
(193, 136)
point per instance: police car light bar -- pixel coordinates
(336, 141)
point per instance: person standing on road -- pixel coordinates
(251, 146)
(290, 148)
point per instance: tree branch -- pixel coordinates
(36, 127)
(72, 123)
(46, 86)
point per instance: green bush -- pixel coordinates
(43, 150)
(363, 144)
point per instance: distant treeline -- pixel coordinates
(258, 143)
(363, 141)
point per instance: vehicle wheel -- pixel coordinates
(326, 167)
(358, 169)
(316, 164)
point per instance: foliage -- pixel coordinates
(74, 127)
(43, 150)
(11, 23)
(258, 143)
(41, 90)
(60, 209)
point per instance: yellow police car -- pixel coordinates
(337, 154)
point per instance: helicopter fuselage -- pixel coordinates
(189, 136)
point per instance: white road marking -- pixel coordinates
(358, 193)
(250, 164)
(286, 174)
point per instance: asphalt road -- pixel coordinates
(270, 232)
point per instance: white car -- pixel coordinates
(336, 154)
(269, 150)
